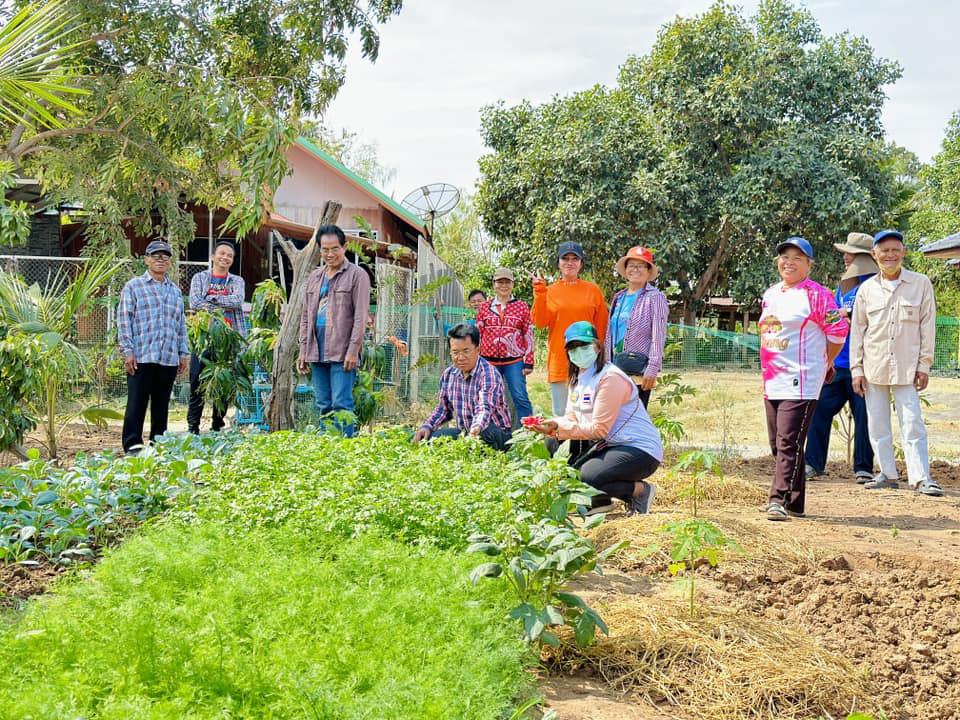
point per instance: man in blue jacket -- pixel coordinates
(860, 266)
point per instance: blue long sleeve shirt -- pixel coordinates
(151, 324)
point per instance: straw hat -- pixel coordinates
(861, 265)
(857, 243)
(638, 253)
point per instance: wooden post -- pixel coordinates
(279, 407)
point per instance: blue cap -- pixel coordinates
(797, 242)
(570, 247)
(580, 331)
(884, 234)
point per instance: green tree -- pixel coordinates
(731, 133)
(935, 213)
(195, 99)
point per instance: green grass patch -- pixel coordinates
(436, 493)
(195, 622)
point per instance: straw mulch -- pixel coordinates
(719, 665)
(730, 489)
(761, 548)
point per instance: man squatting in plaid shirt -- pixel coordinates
(152, 337)
(471, 393)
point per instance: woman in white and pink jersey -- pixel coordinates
(801, 332)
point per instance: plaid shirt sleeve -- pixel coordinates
(182, 330)
(658, 333)
(199, 286)
(125, 320)
(483, 409)
(441, 413)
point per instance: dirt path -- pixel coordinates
(882, 590)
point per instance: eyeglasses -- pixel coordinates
(331, 251)
(160, 256)
(462, 353)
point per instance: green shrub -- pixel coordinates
(437, 493)
(190, 623)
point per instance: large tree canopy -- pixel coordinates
(191, 99)
(731, 133)
(935, 213)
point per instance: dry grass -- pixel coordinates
(761, 548)
(720, 665)
(731, 489)
(729, 406)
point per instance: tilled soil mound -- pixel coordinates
(895, 618)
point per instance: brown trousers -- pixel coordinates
(787, 424)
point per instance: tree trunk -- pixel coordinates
(279, 407)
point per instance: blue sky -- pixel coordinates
(442, 60)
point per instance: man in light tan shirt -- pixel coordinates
(891, 351)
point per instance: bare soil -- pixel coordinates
(882, 589)
(75, 438)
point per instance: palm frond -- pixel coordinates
(32, 50)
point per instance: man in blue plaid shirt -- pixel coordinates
(152, 336)
(471, 393)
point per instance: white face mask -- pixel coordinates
(583, 356)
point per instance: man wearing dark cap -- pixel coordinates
(152, 338)
(838, 392)
(891, 352)
(214, 290)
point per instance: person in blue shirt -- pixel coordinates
(839, 391)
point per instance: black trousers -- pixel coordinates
(151, 384)
(787, 424)
(195, 410)
(644, 396)
(613, 471)
(833, 397)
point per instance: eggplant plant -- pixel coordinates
(694, 540)
(541, 549)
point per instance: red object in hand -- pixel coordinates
(532, 420)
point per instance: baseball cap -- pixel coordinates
(503, 274)
(797, 242)
(580, 331)
(570, 247)
(159, 246)
(884, 234)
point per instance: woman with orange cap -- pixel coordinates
(637, 331)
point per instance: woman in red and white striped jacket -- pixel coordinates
(506, 338)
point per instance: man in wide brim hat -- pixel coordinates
(860, 266)
(857, 258)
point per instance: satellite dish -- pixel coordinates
(431, 201)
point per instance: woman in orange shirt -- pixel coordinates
(557, 307)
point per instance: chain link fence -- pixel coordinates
(705, 348)
(96, 327)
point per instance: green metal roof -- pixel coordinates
(378, 194)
